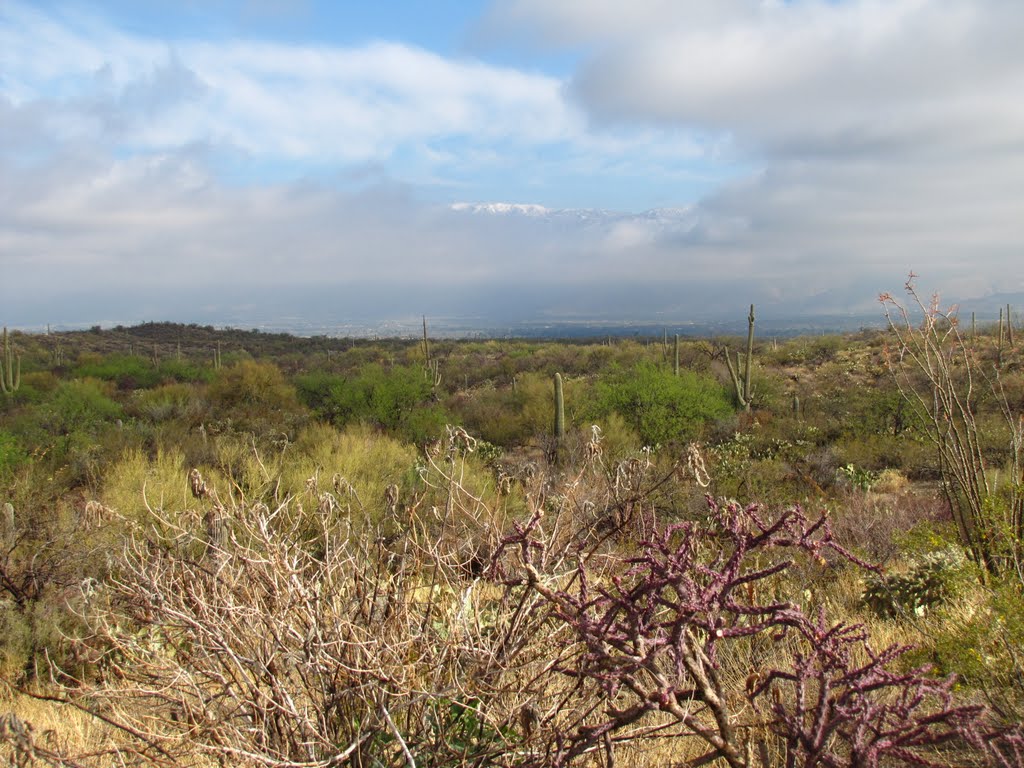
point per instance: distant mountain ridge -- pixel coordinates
(663, 216)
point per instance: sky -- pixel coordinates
(662, 160)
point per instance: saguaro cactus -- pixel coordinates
(426, 342)
(10, 377)
(744, 392)
(675, 367)
(559, 408)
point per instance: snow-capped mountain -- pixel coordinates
(656, 220)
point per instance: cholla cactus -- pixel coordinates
(653, 640)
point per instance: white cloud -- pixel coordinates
(825, 71)
(880, 136)
(887, 132)
(286, 100)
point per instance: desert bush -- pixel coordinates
(619, 440)
(126, 371)
(321, 392)
(175, 402)
(884, 527)
(79, 407)
(11, 455)
(497, 415)
(46, 554)
(183, 371)
(517, 416)
(399, 399)
(283, 645)
(71, 430)
(137, 483)
(255, 396)
(35, 387)
(660, 406)
(978, 636)
(357, 465)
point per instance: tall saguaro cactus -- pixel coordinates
(675, 367)
(744, 392)
(426, 342)
(559, 409)
(10, 379)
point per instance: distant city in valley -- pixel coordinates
(771, 321)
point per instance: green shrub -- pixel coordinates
(321, 392)
(978, 638)
(183, 371)
(127, 371)
(11, 454)
(167, 403)
(659, 405)
(255, 396)
(79, 407)
(399, 400)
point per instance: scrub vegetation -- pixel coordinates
(221, 547)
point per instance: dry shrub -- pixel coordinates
(877, 524)
(269, 636)
(586, 631)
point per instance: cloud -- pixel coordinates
(886, 134)
(810, 154)
(876, 71)
(285, 100)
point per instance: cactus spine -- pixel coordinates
(10, 379)
(744, 392)
(559, 409)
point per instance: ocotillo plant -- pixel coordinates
(10, 378)
(744, 392)
(559, 409)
